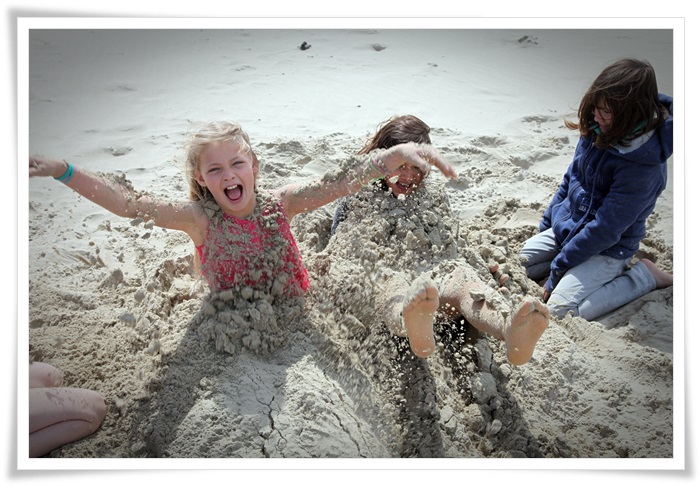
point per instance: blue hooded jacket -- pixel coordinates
(605, 197)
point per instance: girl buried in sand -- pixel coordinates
(242, 235)
(427, 274)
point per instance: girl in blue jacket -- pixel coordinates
(596, 219)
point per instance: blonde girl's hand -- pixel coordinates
(42, 167)
(423, 156)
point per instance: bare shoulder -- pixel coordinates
(187, 216)
(290, 199)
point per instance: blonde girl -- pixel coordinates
(241, 234)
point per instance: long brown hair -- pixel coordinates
(628, 89)
(398, 130)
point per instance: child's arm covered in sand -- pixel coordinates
(119, 197)
(356, 173)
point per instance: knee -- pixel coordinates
(537, 271)
(560, 307)
(561, 311)
(98, 408)
(530, 253)
(536, 266)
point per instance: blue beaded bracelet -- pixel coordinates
(67, 175)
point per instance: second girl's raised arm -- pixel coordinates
(356, 173)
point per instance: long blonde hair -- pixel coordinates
(205, 136)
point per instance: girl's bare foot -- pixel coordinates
(418, 313)
(662, 278)
(524, 330)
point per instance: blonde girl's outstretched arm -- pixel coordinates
(119, 197)
(356, 173)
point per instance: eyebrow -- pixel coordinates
(232, 159)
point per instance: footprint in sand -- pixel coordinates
(118, 151)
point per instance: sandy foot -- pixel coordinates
(419, 309)
(524, 331)
(663, 279)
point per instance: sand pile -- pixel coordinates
(117, 306)
(130, 320)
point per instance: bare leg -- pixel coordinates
(390, 302)
(60, 415)
(409, 310)
(663, 279)
(480, 305)
(420, 305)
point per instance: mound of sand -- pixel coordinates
(129, 320)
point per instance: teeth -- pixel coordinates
(231, 187)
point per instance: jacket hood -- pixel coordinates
(655, 147)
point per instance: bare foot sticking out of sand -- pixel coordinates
(418, 313)
(524, 331)
(662, 278)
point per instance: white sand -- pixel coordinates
(110, 302)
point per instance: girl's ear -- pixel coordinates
(198, 177)
(256, 170)
(256, 166)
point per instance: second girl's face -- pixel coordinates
(227, 169)
(602, 115)
(404, 180)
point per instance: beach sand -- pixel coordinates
(114, 304)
